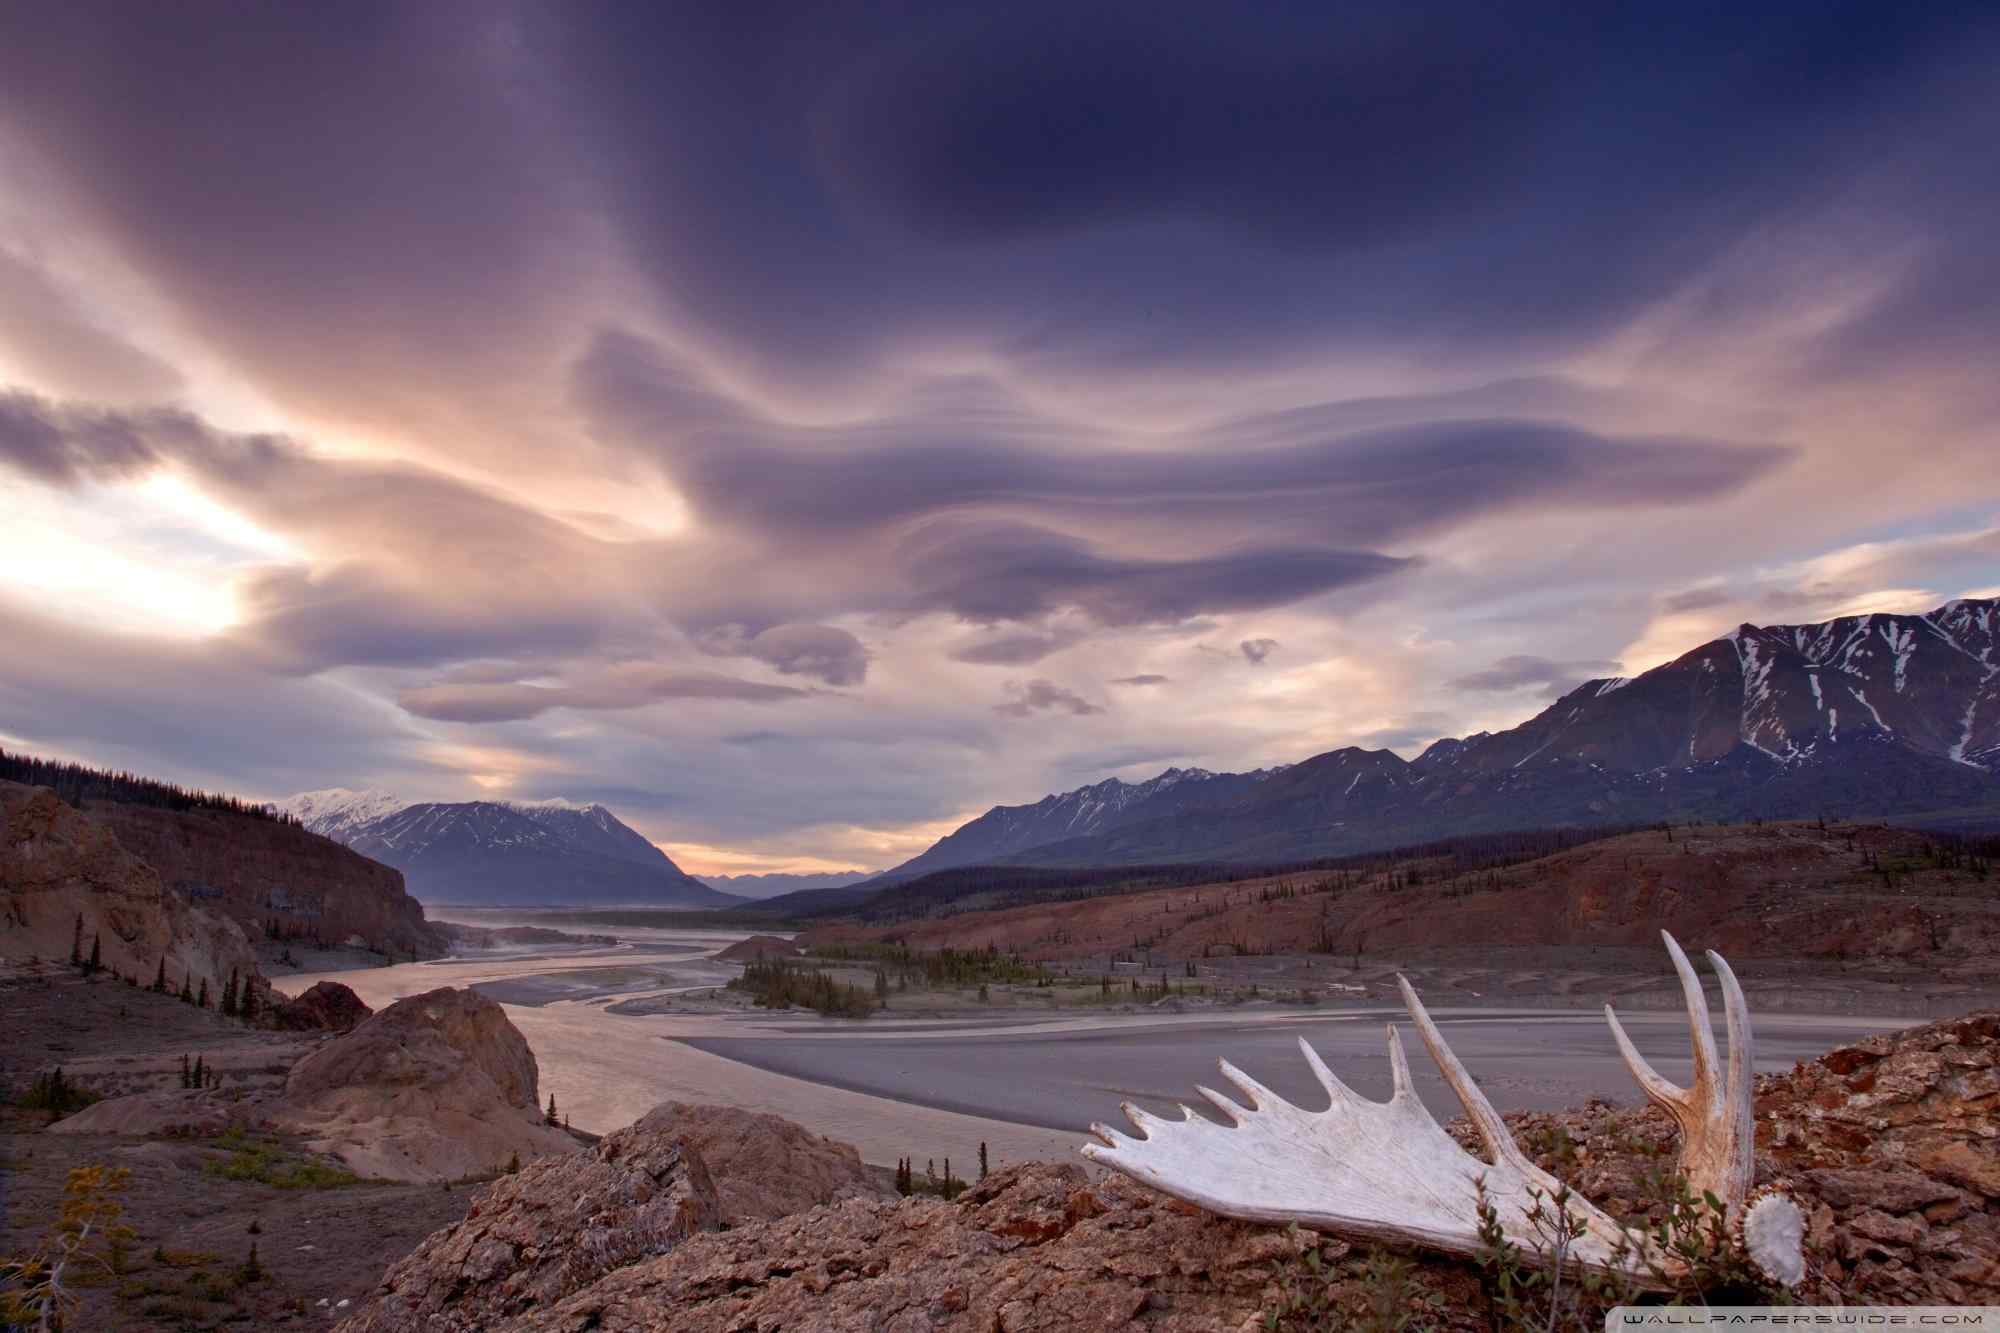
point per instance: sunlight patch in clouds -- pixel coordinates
(154, 555)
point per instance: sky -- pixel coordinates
(802, 427)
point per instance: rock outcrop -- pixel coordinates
(264, 872)
(57, 864)
(1892, 1146)
(437, 1086)
(547, 1231)
(764, 1166)
(326, 1006)
(1033, 1247)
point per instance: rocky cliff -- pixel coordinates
(264, 873)
(59, 867)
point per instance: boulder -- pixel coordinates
(437, 1086)
(327, 1006)
(764, 1166)
(545, 1232)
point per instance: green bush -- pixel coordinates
(268, 1164)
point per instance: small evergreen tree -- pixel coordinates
(187, 1073)
(229, 995)
(160, 979)
(551, 1119)
(187, 992)
(96, 953)
(201, 1000)
(982, 1159)
(76, 942)
(246, 1005)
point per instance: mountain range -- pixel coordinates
(777, 882)
(504, 853)
(1876, 715)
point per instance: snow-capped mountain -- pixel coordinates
(1878, 715)
(1007, 830)
(505, 852)
(336, 810)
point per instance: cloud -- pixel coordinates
(1009, 650)
(55, 341)
(620, 686)
(1039, 696)
(1519, 672)
(824, 652)
(1256, 650)
(1140, 680)
(544, 339)
(1697, 599)
(994, 571)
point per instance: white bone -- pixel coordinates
(1387, 1171)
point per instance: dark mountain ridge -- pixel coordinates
(1892, 716)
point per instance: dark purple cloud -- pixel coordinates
(1044, 696)
(1256, 650)
(1520, 671)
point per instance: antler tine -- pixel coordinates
(1669, 1095)
(1492, 1129)
(1261, 1097)
(1736, 1020)
(1335, 1089)
(1705, 1086)
(1734, 1108)
(1223, 1104)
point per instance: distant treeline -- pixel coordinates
(1016, 886)
(79, 784)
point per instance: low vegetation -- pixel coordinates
(56, 1094)
(785, 985)
(88, 1243)
(267, 1163)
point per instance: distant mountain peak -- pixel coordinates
(546, 852)
(1876, 714)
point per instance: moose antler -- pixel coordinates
(1387, 1171)
(1718, 1133)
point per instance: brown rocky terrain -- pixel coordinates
(1842, 892)
(1892, 1145)
(58, 865)
(764, 1166)
(265, 872)
(436, 1086)
(196, 1201)
(563, 1223)
(439, 1086)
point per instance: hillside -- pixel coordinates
(224, 859)
(1768, 890)
(1880, 716)
(502, 853)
